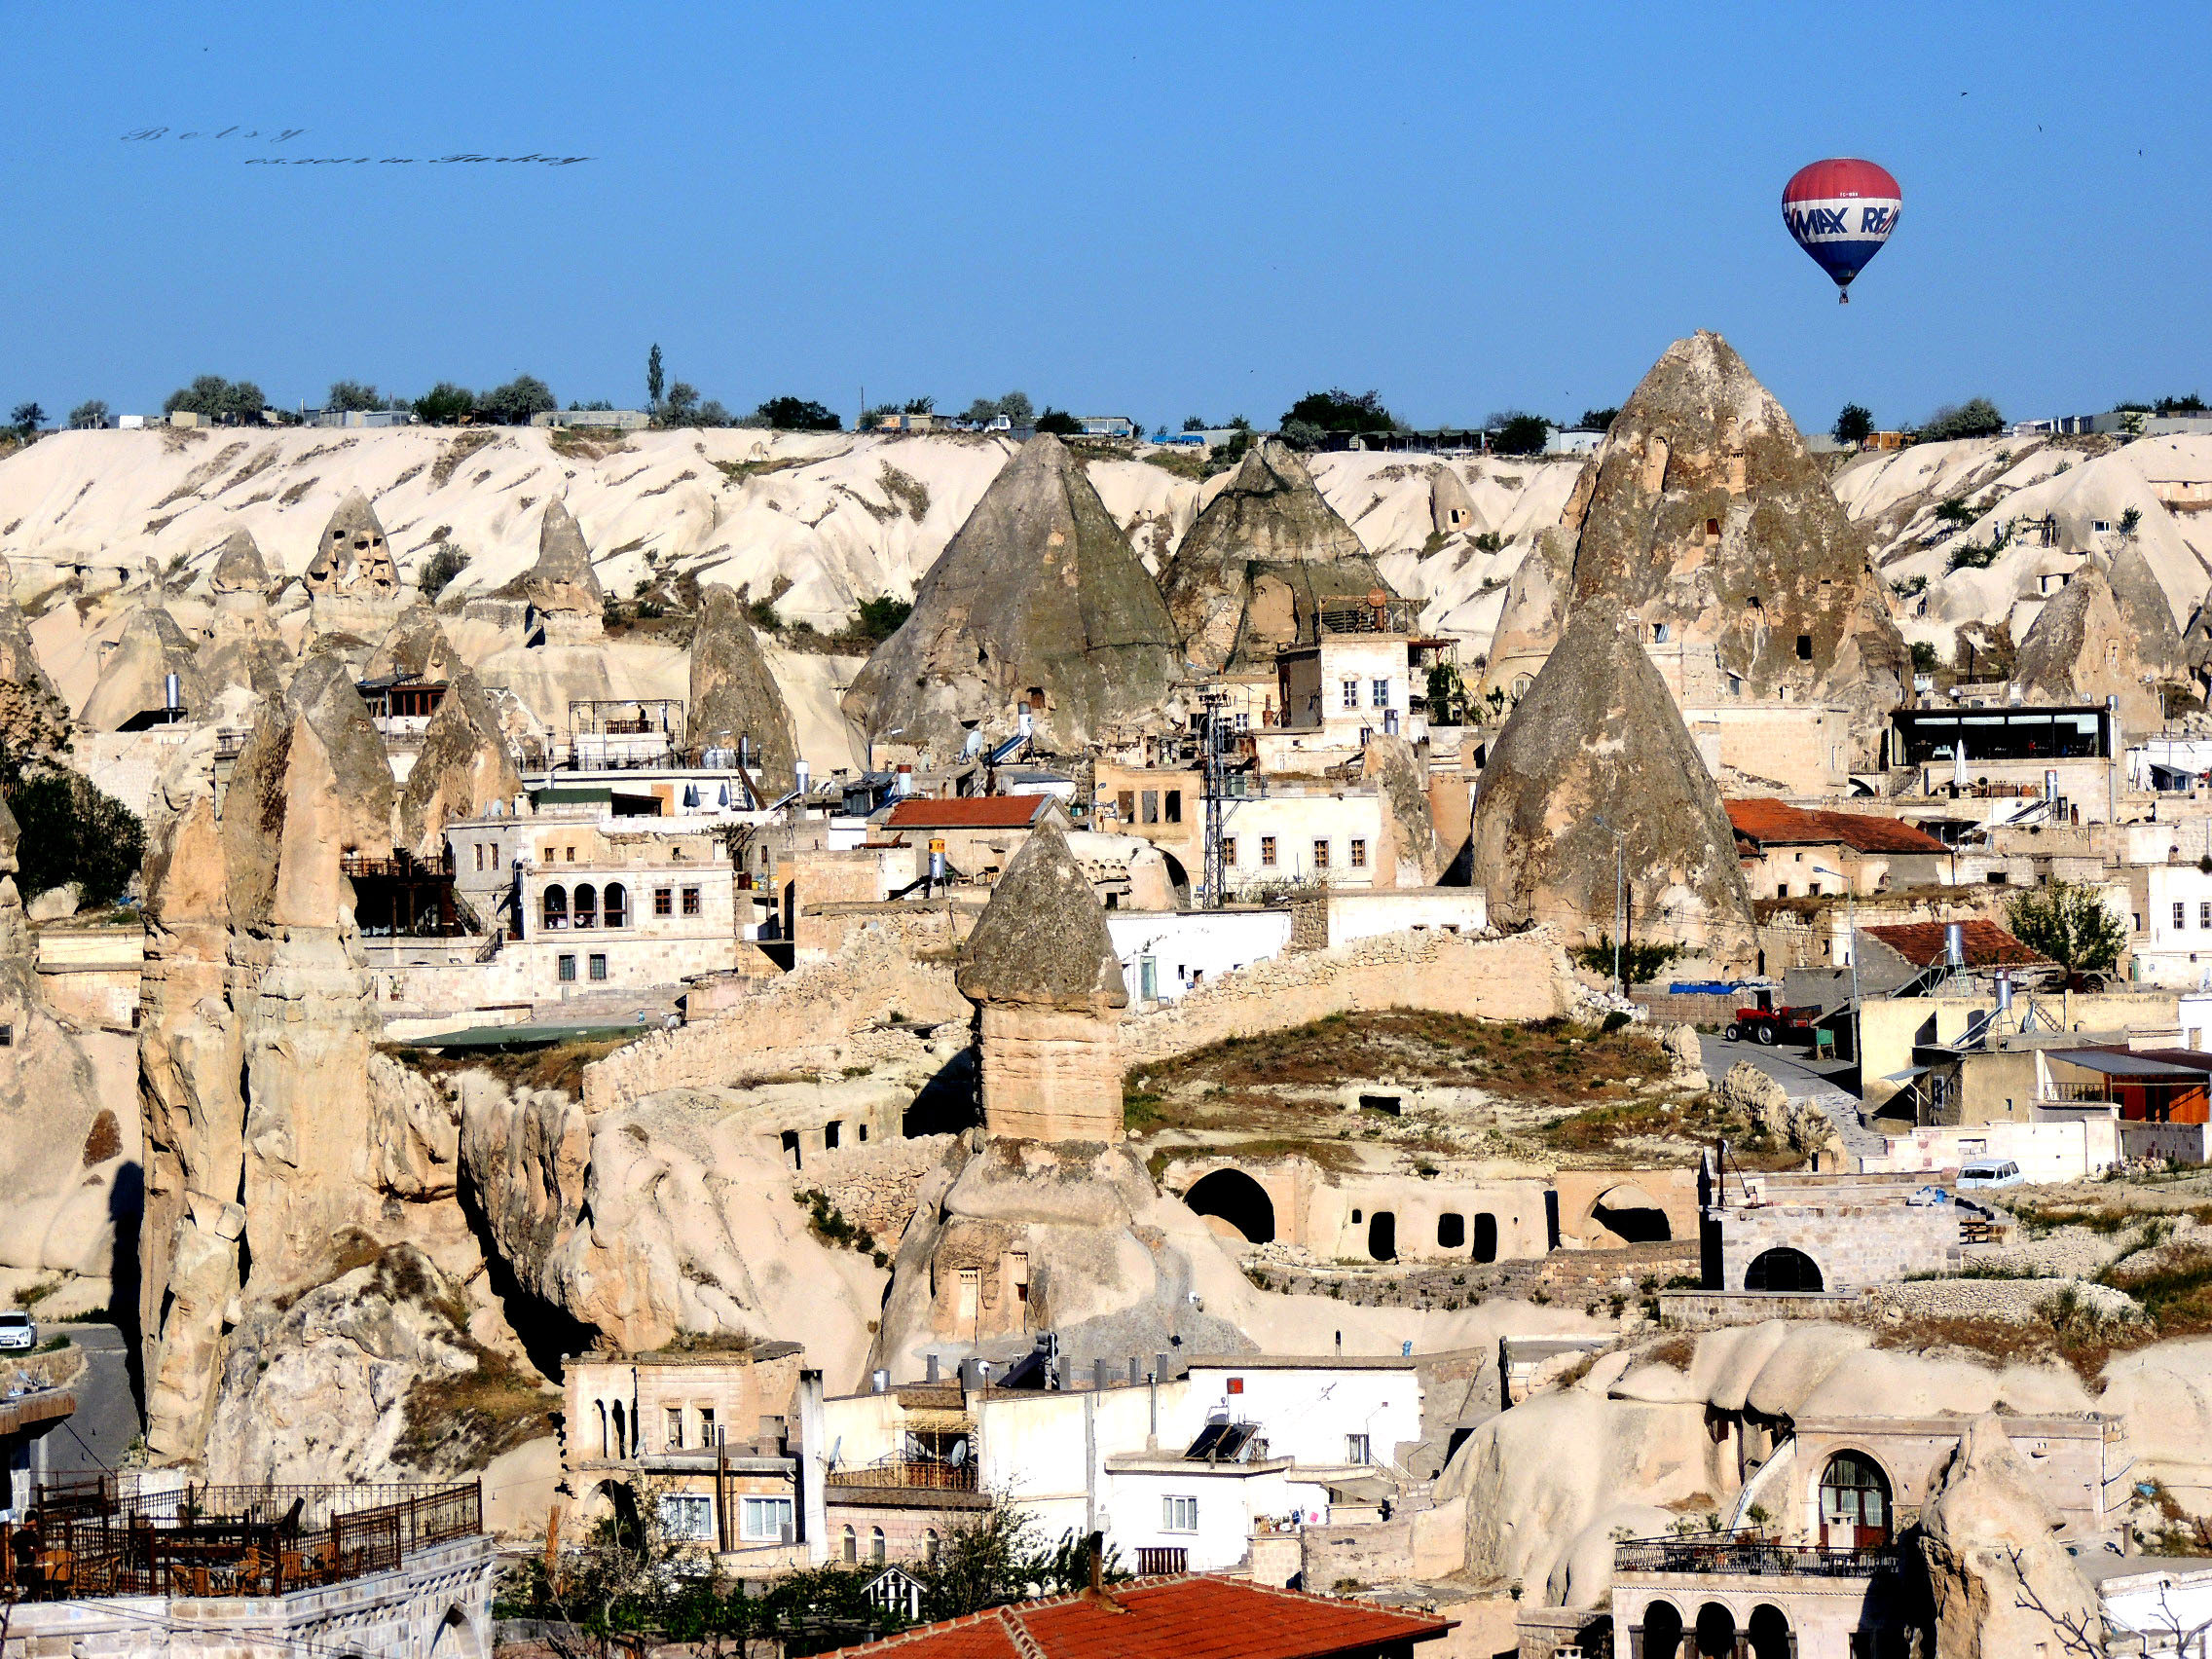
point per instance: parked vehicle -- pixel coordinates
(17, 1330)
(1768, 1022)
(1990, 1172)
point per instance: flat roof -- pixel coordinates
(1301, 1362)
(2114, 1065)
(526, 1036)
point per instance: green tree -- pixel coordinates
(513, 404)
(27, 418)
(1058, 422)
(1924, 658)
(1193, 423)
(2187, 404)
(445, 405)
(349, 395)
(1852, 425)
(799, 415)
(882, 616)
(440, 568)
(211, 398)
(999, 1557)
(71, 830)
(653, 381)
(1976, 418)
(89, 415)
(918, 406)
(1339, 410)
(1018, 408)
(2069, 923)
(1599, 420)
(983, 411)
(2130, 521)
(1641, 960)
(1518, 434)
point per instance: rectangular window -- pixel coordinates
(1320, 855)
(971, 1292)
(1178, 1515)
(1243, 720)
(1355, 1449)
(1660, 632)
(1229, 852)
(2204, 913)
(598, 967)
(1126, 805)
(2181, 916)
(568, 855)
(1152, 806)
(664, 900)
(480, 855)
(688, 1516)
(566, 968)
(1267, 852)
(1351, 693)
(764, 1520)
(674, 1416)
(1174, 806)
(706, 1425)
(1381, 691)
(691, 900)
(1358, 854)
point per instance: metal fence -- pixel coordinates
(910, 1473)
(1757, 1557)
(87, 1537)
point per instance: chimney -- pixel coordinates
(814, 1514)
(902, 782)
(1099, 1374)
(878, 1380)
(929, 1368)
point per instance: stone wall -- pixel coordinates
(1852, 1244)
(1521, 976)
(875, 1185)
(876, 975)
(1702, 1310)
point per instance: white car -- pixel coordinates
(1991, 1172)
(17, 1331)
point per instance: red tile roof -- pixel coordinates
(1196, 1617)
(971, 811)
(1777, 821)
(1988, 945)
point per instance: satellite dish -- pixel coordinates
(959, 1455)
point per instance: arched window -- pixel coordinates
(1237, 1200)
(852, 1545)
(1855, 1502)
(587, 906)
(1783, 1269)
(1662, 1630)
(876, 1544)
(1715, 1631)
(616, 905)
(605, 1445)
(553, 906)
(1769, 1631)
(621, 1432)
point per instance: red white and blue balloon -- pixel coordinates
(1841, 211)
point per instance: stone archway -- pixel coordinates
(1769, 1631)
(456, 1638)
(1715, 1631)
(1631, 1214)
(1232, 1197)
(1662, 1630)
(1783, 1269)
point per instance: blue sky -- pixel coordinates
(1163, 211)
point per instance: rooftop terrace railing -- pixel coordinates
(1730, 1553)
(85, 1537)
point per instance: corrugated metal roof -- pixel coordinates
(2113, 1062)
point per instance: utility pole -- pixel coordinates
(1620, 911)
(1213, 702)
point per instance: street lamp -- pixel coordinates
(1851, 908)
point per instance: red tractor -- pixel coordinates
(1768, 1023)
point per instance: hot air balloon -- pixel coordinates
(1841, 211)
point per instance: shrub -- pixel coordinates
(1339, 410)
(71, 831)
(445, 405)
(799, 415)
(882, 616)
(440, 568)
(1520, 435)
(1976, 418)
(1853, 424)
(214, 398)
(1641, 959)
(1060, 423)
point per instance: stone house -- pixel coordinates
(1794, 1232)
(1789, 851)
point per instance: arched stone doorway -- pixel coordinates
(1383, 1236)
(1855, 1502)
(1485, 1238)
(1632, 1215)
(1783, 1269)
(1715, 1631)
(456, 1638)
(1662, 1630)
(1233, 1196)
(1769, 1631)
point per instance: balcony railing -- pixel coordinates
(1754, 1557)
(1159, 1561)
(910, 1474)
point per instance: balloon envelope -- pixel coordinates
(1841, 211)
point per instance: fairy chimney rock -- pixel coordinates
(2107, 633)
(1038, 601)
(240, 568)
(1270, 514)
(133, 687)
(1042, 968)
(354, 560)
(2002, 1581)
(561, 598)
(1597, 748)
(734, 695)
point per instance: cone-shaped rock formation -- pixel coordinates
(1269, 514)
(354, 560)
(734, 695)
(2107, 633)
(1707, 514)
(1038, 598)
(1042, 941)
(2003, 1583)
(563, 581)
(1597, 747)
(239, 567)
(465, 763)
(133, 681)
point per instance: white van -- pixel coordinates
(1990, 1172)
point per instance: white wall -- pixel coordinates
(1230, 1496)
(1188, 946)
(2160, 1604)
(1305, 1413)
(1361, 915)
(2064, 1151)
